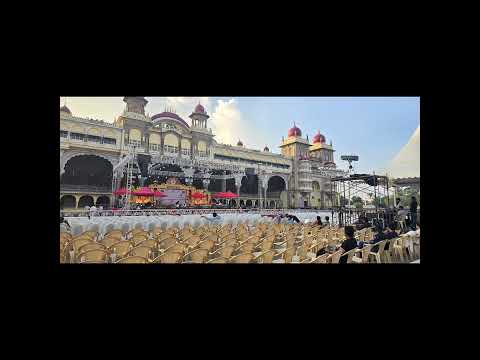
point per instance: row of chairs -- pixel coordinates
(263, 243)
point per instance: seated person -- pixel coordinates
(327, 221)
(390, 233)
(318, 222)
(349, 244)
(379, 236)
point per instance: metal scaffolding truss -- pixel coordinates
(355, 185)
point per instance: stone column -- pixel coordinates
(223, 184)
(179, 147)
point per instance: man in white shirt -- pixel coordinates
(93, 210)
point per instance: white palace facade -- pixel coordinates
(168, 147)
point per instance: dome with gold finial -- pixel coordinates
(294, 131)
(319, 138)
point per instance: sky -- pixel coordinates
(383, 131)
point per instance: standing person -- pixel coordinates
(349, 244)
(215, 219)
(327, 221)
(413, 213)
(93, 210)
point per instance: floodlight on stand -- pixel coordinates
(350, 159)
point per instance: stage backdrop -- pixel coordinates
(173, 196)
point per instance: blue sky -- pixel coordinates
(375, 129)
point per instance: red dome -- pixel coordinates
(319, 138)
(200, 109)
(294, 131)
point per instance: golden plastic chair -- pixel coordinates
(166, 243)
(241, 259)
(168, 258)
(265, 257)
(91, 246)
(133, 260)
(322, 259)
(120, 249)
(93, 256)
(196, 256)
(335, 257)
(109, 241)
(176, 248)
(218, 260)
(225, 251)
(142, 251)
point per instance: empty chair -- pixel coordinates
(142, 251)
(133, 260)
(241, 259)
(93, 256)
(196, 256)
(168, 258)
(322, 259)
(218, 260)
(120, 249)
(335, 257)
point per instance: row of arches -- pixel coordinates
(169, 139)
(90, 130)
(70, 201)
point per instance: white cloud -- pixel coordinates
(229, 125)
(407, 162)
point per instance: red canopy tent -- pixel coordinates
(198, 195)
(230, 195)
(225, 195)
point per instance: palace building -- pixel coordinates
(171, 151)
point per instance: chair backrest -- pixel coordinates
(206, 244)
(224, 251)
(241, 259)
(197, 256)
(219, 260)
(133, 260)
(151, 243)
(93, 256)
(121, 248)
(167, 242)
(245, 248)
(266, 257)
(91, 246)
(176, 248)
(336, 256)
(322, 259)
(109, 241)
(142, 251)
(79, 242)
(137, 239)
(366, 252)
(168, 258)
(350, 254)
